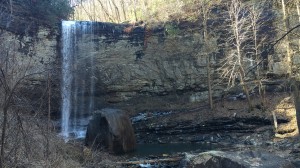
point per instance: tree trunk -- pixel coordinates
(205, 37)
(286, 28)
(275, 121)
(209, 83)
(5, 111)
(298, 13)
(297, 102)
(49, 118)
(262, 93)
(245, 88)
(135, 10)
(123, 10)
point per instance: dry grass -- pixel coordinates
(28, 141)
(28, 144)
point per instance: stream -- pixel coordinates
(146, 150)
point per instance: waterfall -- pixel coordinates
(78, 79)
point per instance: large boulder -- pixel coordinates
(238, 159)
(112, 129)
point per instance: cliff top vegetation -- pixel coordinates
(135, 10)
(120, 11)
(46, 12)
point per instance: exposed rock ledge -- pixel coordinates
(237, 159)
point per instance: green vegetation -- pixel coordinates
(172, 30)
(49, 12)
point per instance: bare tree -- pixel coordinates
(286, 40)
(16, 71)
(128, 10)
(205, 9)
(11, 75)
(118, 16)
(123, 9)
(135, 10)
(297, 3)
(242, 28)
(257, 21)
(295, 78)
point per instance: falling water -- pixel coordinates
(78, 80)
(67, 52)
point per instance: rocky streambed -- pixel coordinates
(234, 138)
(217, 130)
(227, 136)
(158, 127)
(219, 143)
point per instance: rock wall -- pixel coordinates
(26, 61)
(172, 59)
(134, 61)
(131, 61)
(138, 61)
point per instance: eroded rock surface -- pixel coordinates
(111, 128)
(237, 159)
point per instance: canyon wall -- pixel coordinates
(132, 62)
(29, 60)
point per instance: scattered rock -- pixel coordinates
(112, 129)
(237, 159)
(147, 116)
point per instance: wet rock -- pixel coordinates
(200, 132)
(198, 96)
(237, 159)
(112, 129)
(255, 140)
(212, 138)
(146, 116)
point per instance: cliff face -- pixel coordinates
(26, 61)
(133, 62)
